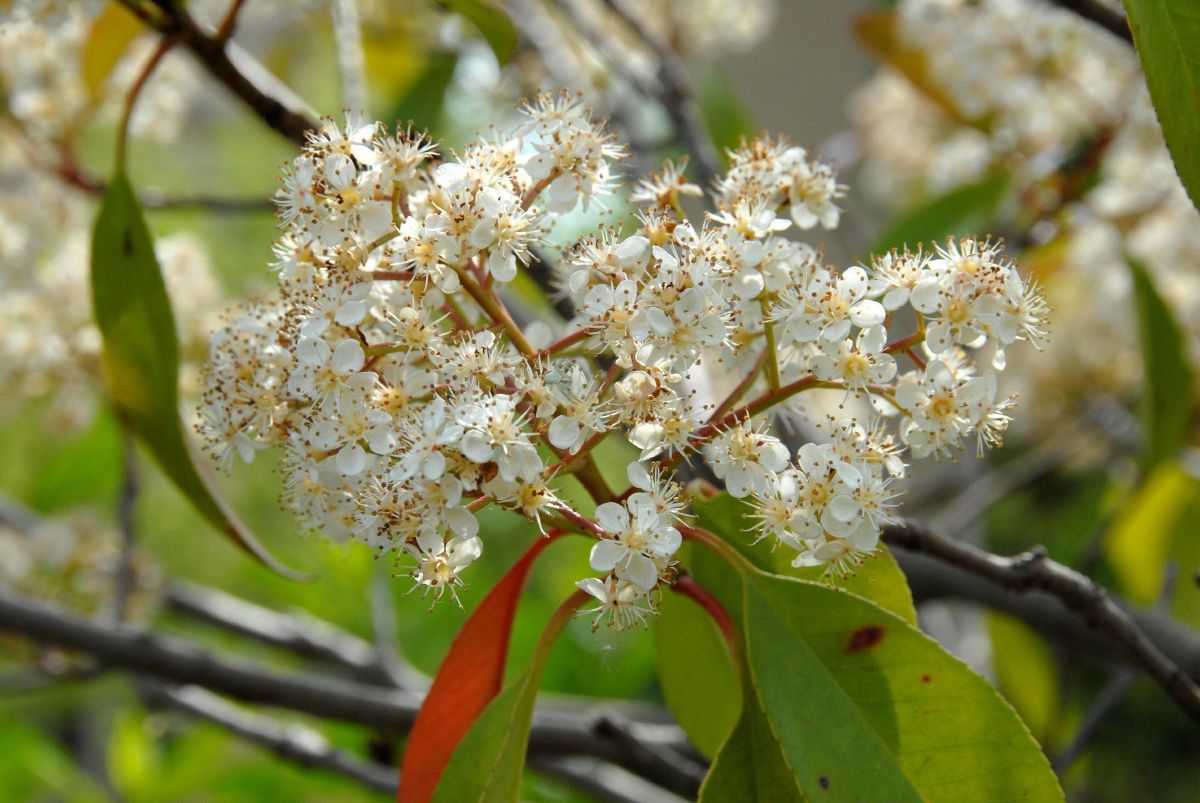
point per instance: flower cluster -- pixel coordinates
(1042, 87)
(393, 373)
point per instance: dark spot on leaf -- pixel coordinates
(864, 638)
(926, 678)
(824, 782)
(127, 241)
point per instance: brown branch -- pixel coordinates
(211, 51)
(1094, 11)
(1092, 605)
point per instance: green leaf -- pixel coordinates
(141, 361)
(695, 672)
(488, 762)
(1167, 35)
(865, 707)
(1167, 397)
(107, 40)
(969, 209)
(1027, 674)
(492, 22)
(751, 764)
(725, 115)
(424, 101)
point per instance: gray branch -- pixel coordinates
(288, 740)
(1055, 599)
(171, 660)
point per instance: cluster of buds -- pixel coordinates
(406, 396)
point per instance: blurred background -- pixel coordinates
(1056, 150)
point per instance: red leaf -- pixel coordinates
(471, 675)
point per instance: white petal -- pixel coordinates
(348, 357)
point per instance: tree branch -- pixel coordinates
(554, 732)
(288, 740)
(1094, 11)
(302, 635)
(1093, 610)
(213, 54)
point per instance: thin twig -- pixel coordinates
(288, 740)
(606, 781)
(297, 633)
(1112, 694)
(1034, 571)
(124, 577)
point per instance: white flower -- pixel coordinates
(858, 363)
(426, 436)
(622, 604)
(638, 537)
(439, 563)
(828, 307)
(322, 373)
(492, 431)
(746, 459)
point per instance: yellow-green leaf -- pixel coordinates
(107, 41)
(1027, 674)
(1167, 35)
(970, 209)
(141, 361)
(1140, 540)
(863, 706)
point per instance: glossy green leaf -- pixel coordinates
(492, 22)
(1167, 387)
(141, 359)
(695, 672)
(970, 209)
(751, 763)
(865, 707)
(1167, 35)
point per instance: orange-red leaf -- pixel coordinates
(471, 675)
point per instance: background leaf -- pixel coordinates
(1028, 676)
(1167, 386)
(1167, 35)
(968, 209)
(492, 22)
(1150, 522)
(107, 40)
(141, 360)
(696, 672)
